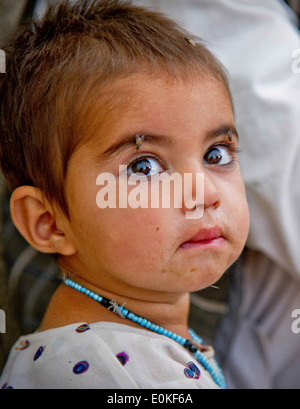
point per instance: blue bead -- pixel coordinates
(124, 312)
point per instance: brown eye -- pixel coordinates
(218, 156)
(142, 167)
(145, 166)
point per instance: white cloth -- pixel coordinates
(256, 345)
(255, 40)
(102, 356)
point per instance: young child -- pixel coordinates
(95, 87)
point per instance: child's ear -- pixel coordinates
(35, 219)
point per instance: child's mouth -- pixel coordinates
(205, 238)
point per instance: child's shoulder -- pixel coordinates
(56, 358)
(100, 355)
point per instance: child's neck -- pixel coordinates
(69, 306)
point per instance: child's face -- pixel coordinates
(126, 250)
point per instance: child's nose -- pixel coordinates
(211, 193)
(201, 192)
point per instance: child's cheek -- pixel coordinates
(143, 234)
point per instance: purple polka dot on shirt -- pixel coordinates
(123, 358)
(39, 353)
(81, 367)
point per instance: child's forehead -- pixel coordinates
(143, 105)
(141, 92)
(121, 94)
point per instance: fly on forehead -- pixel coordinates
(139, 141)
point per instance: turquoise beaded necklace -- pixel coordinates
(216, 375)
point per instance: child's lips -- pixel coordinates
(205, 237)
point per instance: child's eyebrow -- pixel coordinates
(130, 141)
(163, 140)
(224, 130)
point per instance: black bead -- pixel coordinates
(105, 302)
(188, 344)
(193, 349)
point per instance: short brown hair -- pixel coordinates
(54, 67)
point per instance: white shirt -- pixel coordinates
(102, 356)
